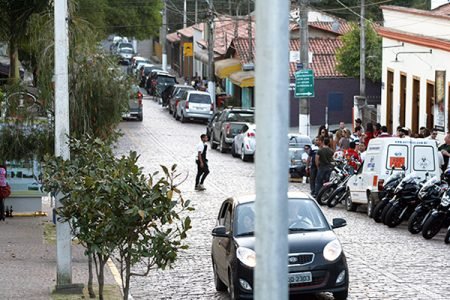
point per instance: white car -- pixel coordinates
(244, 143)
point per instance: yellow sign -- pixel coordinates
(188, 51)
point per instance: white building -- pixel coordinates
(416, 68)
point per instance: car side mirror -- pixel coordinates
(220, 231)
(338, 222)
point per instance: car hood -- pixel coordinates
(298, 242)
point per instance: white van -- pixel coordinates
(386, 155)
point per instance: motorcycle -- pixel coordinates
(429, 198)
(404, 202)
(338, 175)
(437, 218)
(342, 192)
(388, 193)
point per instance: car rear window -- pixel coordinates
(200, 98)
(182, 89)
(248, 117)
(126, 45)
(165, 80)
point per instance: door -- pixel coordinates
(220, 245)
(389, 96)
(357, 185)
(430, 105)
(415, 102)
(402, 99)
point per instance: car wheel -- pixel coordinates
(349, 205)
(175, 113)
(140, 118)
(233, 150)
(243, 156)
(222, 145)
(170, 109)
(233, 290)
(340, 295)
(182, 118)
(213, 145)
(218, 283)
(447, 236)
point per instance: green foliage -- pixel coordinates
(348, 56)
(111, 205)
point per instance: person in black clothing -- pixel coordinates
(202, 163)
(311, 168)
(445, 150)
(324, 162)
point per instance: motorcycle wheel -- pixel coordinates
(336, 197)
(393, 216)
(432, 226)
(447, 237)
(378, 210)
(385, 211)
(415, 222)
(324, 194)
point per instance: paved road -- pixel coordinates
(384, 263)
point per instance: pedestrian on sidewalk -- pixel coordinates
(5, 191)
(202, 163)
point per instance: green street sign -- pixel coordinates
(304, 83)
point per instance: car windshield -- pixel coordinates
(298, 142)
(126, 50)
(248, 117)
(200, 98)
(303, 215)
(296, 154)
(126, 45)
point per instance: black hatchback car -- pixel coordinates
(316, 261)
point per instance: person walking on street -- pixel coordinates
(311, 168)
(202, 163)
(324, 162)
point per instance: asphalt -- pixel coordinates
(28, 261)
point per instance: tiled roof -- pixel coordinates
(443, 9)
(224, 33)
(340, 28)
(187, 32)
(173, 37)
(323, 49)
(415, 11)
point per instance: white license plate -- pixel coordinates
(300, 277)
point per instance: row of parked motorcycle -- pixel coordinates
(424, 203)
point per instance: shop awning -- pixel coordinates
(202, 55)
(243, 78)
(224, 67)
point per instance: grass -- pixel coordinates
(49, 232)
(110, 292)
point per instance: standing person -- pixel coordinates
(5, 191)
(352, 157)
(324, 162)
(345, 140)
(445, 150)
(433, 136)
(202, 163)
(377, 131)
(384, 132)
(369, 134)
(311, 168)
(358, 122)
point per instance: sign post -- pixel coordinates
(304, 83)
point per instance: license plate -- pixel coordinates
(300, 277)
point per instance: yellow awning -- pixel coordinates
(243, 78)
(224, 67)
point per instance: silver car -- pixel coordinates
(194, 105)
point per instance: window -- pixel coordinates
(397, 156)
(423, 158)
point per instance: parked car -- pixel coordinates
(316, 261)
(244, 143)
(227, 126)
(297, 166)
(171, 96)
(194, 105)
(135, 107)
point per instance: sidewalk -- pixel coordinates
(28, 262)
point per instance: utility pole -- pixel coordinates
(63, 234)
(211, 83)
(303, 120)
(163, 37)
(250, 37)
(196, 11)
(362, 63)
(272, 118)
(184, 14)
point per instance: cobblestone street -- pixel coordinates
(383, 263)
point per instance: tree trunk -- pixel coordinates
(90, 286)
(14, 75)
(126, 287)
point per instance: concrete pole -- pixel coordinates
(272, 118)
(196, 11)
(163, 37)
(304, 123)
(63, 234)
(184, 14)
(362, 58)
(211, 83)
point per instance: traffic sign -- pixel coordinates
(188, 49)
(304, 83)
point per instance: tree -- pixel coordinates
(113, 207)
(348, 58)
(15, 14)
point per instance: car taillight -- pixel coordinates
(139, 95)
(186, 105)
(250, 134)
(228, 129)
(380, 184)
